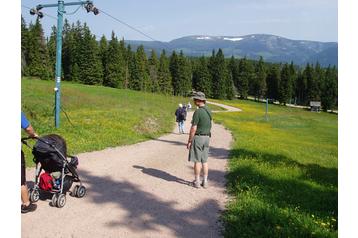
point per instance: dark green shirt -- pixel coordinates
(202, 120)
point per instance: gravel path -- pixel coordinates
(228, 108)
(139, 190)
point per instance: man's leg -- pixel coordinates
(197, 170)
(206, 172)
(26, 206)
(182, 127)
(25, 195)
(205, 164)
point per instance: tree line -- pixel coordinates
(112, 63)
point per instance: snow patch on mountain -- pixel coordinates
(203, 38)
(233, 39)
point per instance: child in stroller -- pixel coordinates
(50, 155)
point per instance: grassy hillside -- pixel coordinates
(283, 173)
(101, 117)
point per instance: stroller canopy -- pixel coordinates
(50, 151)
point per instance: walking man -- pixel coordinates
(26, 206)
(199, 137)
(180, 114)
(188, 107)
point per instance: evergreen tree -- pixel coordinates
(301, 88)
(164, 76)
(312, 84)
(319, 77)
(139, 73)
(89, 61)
(130, 65)
(259, 83)
(38, 64)
(185, 75)
(174, 72)
(294, 78)
(51, 46)
(273, 79)
(24, 47)
(229, 86)
(75, 73)
(123, 50)
(246, 75)
(67, 51)
(235, 71)
(180, 70)
(142, 69)
(153, 71)
(285, 85)
(103, 50)
(220, 76)
(134, 82)
(329, 90)
(114, 73)
(202, 78)
(72, 36)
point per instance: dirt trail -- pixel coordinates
(228, 108)
(139, 190)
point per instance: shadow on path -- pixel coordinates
(162, 175)
(147, 212)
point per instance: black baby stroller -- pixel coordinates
(50, 155)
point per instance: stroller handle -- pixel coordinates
(24, 139)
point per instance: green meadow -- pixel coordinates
(96, 117)
(283, 172)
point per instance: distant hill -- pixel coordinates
(272, 48)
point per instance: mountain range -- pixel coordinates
(271, 47)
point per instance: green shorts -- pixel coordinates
(199, 150)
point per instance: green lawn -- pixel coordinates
(101, 117)
(283, 173)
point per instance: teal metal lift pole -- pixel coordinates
(58, 62)
(61, 10)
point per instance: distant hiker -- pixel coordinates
(26, 206)
(188, 107)
(199, 137)
(180, 114)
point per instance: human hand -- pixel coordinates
(188, 145)
(35, 135)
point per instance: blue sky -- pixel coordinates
(169, 19)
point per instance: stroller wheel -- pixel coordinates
(81, 191)
(74, 191)
(34, 195)
(61, 200)
(54, 200)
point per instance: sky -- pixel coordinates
(165, 20)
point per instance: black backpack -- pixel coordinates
(182, 114)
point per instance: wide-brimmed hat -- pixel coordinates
(199, 96)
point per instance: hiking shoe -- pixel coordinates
(196, 184)
(30, 208)
(204, 184)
